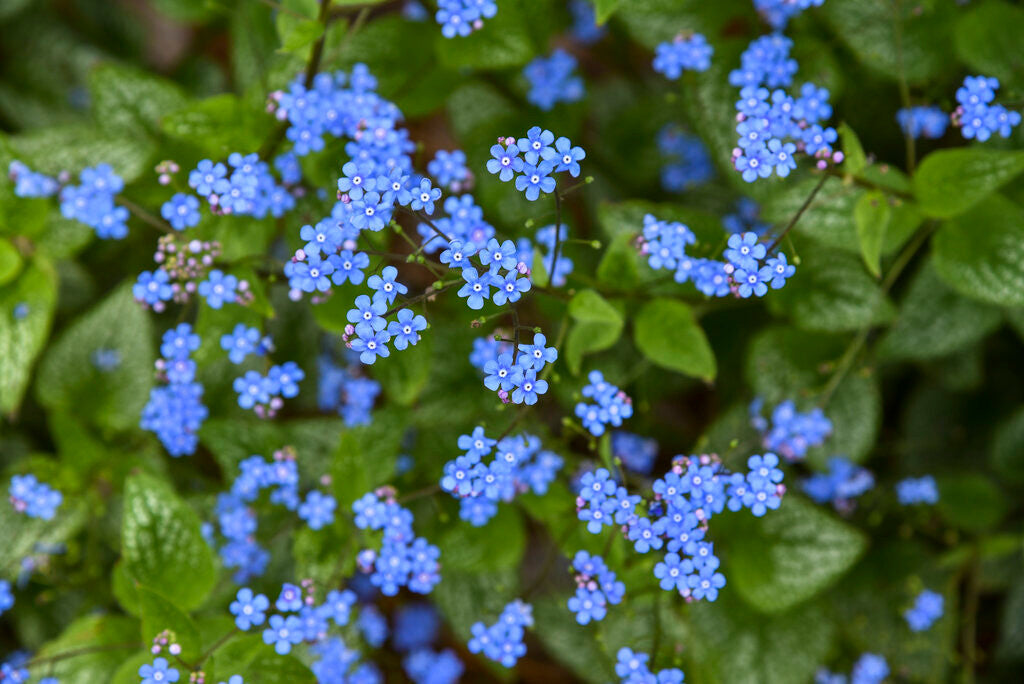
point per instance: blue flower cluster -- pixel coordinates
(779, 12)
(870, 668)
(518, 465)
(542, 156)
(448, 169)
(636, 452)
(917, 490)
(34, 498)
(767, 120)
(465, 223)
(237, 521)
(299, 619)
(404, 560)
(976, 116)
(185, 269)
(746, 218)
(545, 238)
(596, 587)
(369, 331)
(750, 270)
(685, 499)
(632, 668)
(790, 432)
(685, 52)
(502, 642)
(927, 608)
(425, 666)
(243, 341)
(505, 272)
(181, 211)
(611, 406)
(514, 375)
(29, 183)
(552, 81)
(923, 122)
(175, 411)
(462, 17)
(248, 190)
(346, 391)
(92, 202)
(690, 164)
(584, 22)
(843, 483)
(265, 394)
(6, 597)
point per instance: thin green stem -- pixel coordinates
(798, 214)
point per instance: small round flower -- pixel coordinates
(498, 374)
(181, 211)
(588, 605)
(385, 286)
(536, 179)
(776, 270)
(348, 266)
(317, 510)
(424, 196)
(153, 287)
(672, 572)
(406, 330)
(782, 156)
(218, 288)
(750, 282)
(249, 609)
(565, 156)
(457, 255)
(158, 673)
(283, 633)
(536, 355)
(534, 144)
(495, 256)
(754, 163)
(368, 315)
(476, 289)
(506, 162)
(744, 251)
(509, 288)
(370, 345)
(240, 342)
(527, 386)
(324, 238)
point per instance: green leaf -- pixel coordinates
(161, 544)
(988, 39)
(871, 216)
(855, 159)
(10, 262)
(1007, 451)
(257, 662)
(298, 24)
(787, 556)
(105, 636)
(620, 264)
(785, 363)
(159, 613)
(949, 182)
(935, 321)
(186, 10)
(19, 533)
(405, 373)
(731, 643)
(831, 292)
(468, 597)
(668, 334)
(129, 102)
(497, 546)
(895, 38)
(971, 501)
(981, 253)
(598, 327)
(603, 10)
(365, 456)
(503, 42)
(21, 339)
(217, 126)
(69, 379)
(233, 439)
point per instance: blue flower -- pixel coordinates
(448, 167)
(692, 52)
(218, 288)
(588, 605)
(348, 266)
(706, 583)
(457, 255)
(499, 374)
(496, 256)
(750, 282)
(423, 198)
(240, 342)
(209, 178)
(153, 287)
(744, 251)
(283, 633)
(527, 386)
(312, 274)
(181, 211)
(782, 156)
(565, 156)
(285, 378)
(406, 330)
(536, 355)
(372, 212)
(367, 315)
(476, 289)
(179, 342)
(251, 389)
(535, 179)
(672, 572)
(754, 163)
(506, 162)
(552, 81)
(778, 270)
(510, 287)
(370, 345)
(317, 510)
(646, 536)
(359, 178)
(325, 237)
(535, 143)
(249, 609)
(928, 607)
(384, 285)
(158, 673)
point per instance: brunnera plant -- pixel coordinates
(481, 340)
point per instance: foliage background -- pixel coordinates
(922, 371)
